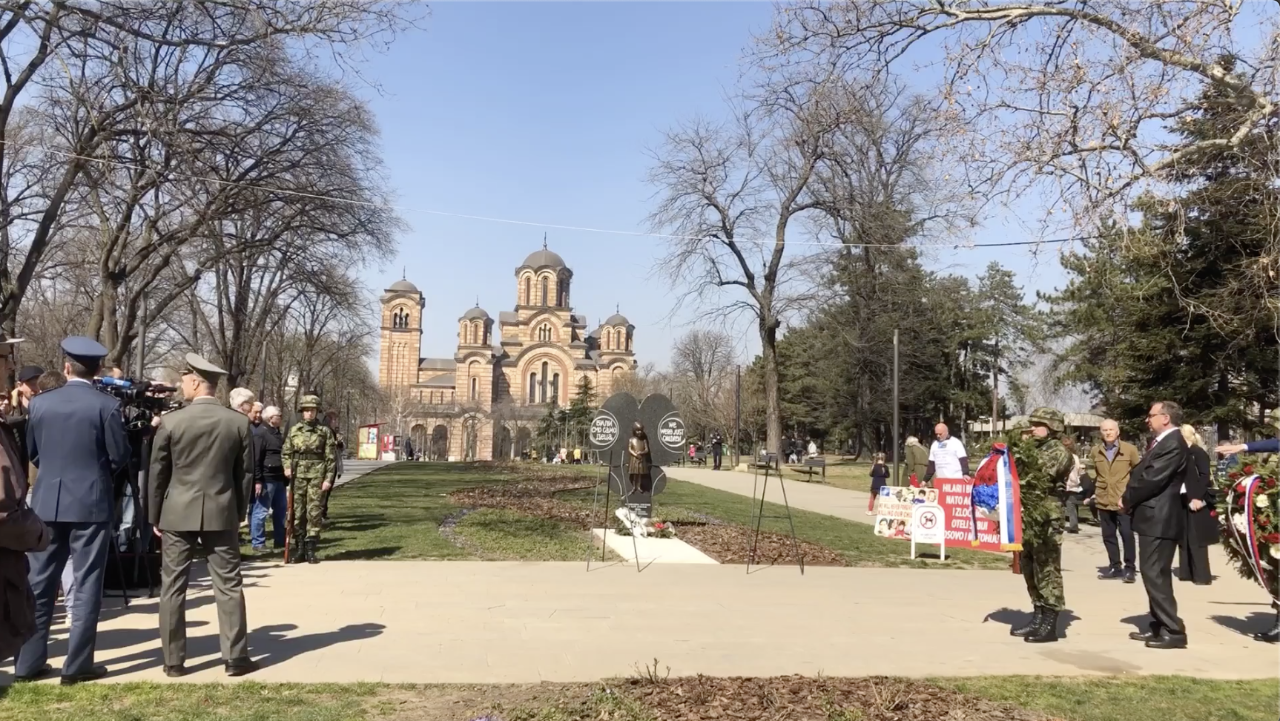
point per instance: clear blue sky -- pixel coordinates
(543, 112)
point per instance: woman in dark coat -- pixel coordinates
(1200, 530)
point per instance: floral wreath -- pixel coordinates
(1251, 528)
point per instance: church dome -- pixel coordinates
(544, 257)
(404, 285)
(476, 313)
(617, 319)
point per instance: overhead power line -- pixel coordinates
(536, 224)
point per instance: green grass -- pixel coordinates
(187, 702)
(1131, 698)
(501, 534)
(395, 513)
(1146, 698)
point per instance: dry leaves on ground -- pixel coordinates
(801, 698)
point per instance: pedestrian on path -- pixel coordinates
(879, 479)
(1047, 464)
(1112, 461)
(1154, 498)
(717, 451)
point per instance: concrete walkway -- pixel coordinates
(477, 622)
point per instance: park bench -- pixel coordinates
(699, 458)
(770, 462)
(812, 467)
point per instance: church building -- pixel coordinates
(485, 402)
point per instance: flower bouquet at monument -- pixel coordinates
(995, 496)
(1250, 526)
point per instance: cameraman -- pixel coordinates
(76, 437)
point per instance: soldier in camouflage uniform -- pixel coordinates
(1043, 466)
(309, 457)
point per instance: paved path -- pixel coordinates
(352, 470)
(475, 622)
(472, 622)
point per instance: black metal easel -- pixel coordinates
(770, 460)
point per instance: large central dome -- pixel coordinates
(543, 258)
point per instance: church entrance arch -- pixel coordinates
(502, 447)
(439, 443)
(418, 439)
(523, 439)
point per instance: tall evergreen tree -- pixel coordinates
(1156, 313)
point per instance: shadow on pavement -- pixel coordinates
(1012, 617)
(1256, 622)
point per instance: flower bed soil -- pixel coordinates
(803, 698)
(724, 542)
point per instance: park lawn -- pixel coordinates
(1132, 698)
(503, 535)
(1144, 698)
(849, 475)
(395, 513)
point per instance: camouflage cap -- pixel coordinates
(1022, 424)
(1050, 417)
(309, 402)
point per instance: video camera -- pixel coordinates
(142, 400)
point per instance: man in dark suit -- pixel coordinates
(201, 485)
(1154, 498)
(76, 438)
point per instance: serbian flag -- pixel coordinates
(995, 497)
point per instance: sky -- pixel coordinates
(544, 113)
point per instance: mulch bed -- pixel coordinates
(725, 542)
(802, 698)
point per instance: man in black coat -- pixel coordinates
(1154, 499)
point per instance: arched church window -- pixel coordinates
(475, 388)
(544, 290)
(542, 384)
(528, 290)
(533, 387)
(544, 332)
(608, 340)
(555, 387)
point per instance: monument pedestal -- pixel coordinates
(651, 550)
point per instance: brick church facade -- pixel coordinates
(485, 402)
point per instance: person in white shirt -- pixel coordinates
(947, 456)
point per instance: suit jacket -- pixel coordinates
(1202, 529)
(1154, 493)
(201, 469)
(75, 436)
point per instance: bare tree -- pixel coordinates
(1066, 100)
(703, 363)
(41, 170)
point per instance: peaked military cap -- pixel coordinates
(203, 368)
(309, 401)
(85, 351)
(29, 373)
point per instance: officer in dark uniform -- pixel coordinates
(75, 436)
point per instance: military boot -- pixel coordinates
(1025, 629)
(311, 550)
(1046, 631)
(295, 552)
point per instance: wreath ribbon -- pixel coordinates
(1248, 539)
